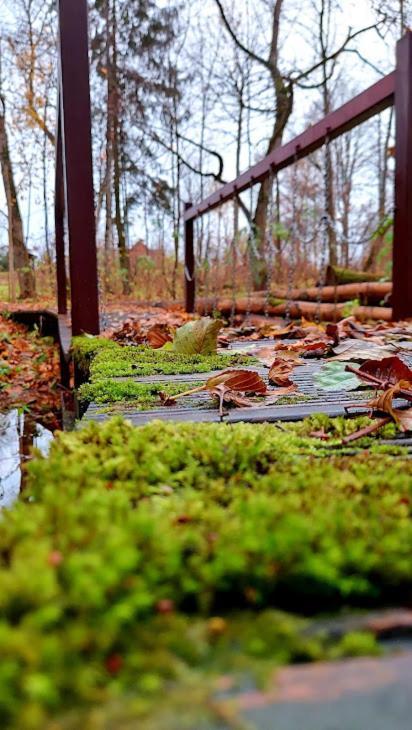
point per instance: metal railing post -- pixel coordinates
(402, 233)
(190, 284)
(77, 161)
(59, 224)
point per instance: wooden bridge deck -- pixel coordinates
(200, 407)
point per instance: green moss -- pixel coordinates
(106, 358)
(143, 361)
(121, 524)
(143, 395)
(288, 400)
(84, 349)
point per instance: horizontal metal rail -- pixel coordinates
(362, 107)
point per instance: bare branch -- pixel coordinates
(331, 57)
(237, 41)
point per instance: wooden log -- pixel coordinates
(339, 275)
(368, 292)
(363, 313)
(327, 312)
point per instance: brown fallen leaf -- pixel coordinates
(231, 397)
(315, 349)
(266, 355)
(159, 335)
(269, 330)
(354, 349)
(390, 370)
(243, 381)
(280, 371)
(403, 418)
(166, 400)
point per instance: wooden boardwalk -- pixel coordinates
(200, 407)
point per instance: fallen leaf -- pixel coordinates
(390, 370)
(384, 403)
(158, 335)
(333, 376)
(232, 397)
(166, 400)
(198, 337)
(280, 371)
(245, 381)
(269, 330)
(354, 349)
(314, 349)
(266, 355)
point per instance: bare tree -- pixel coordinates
(283, 86)
(21, 257)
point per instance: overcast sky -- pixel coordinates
(296, 49)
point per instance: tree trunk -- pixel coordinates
(378, 241)
(118, 217)
(329, 178)
(284, 105)
(20, 254)
(283, 92)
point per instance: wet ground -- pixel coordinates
(353, 694)
(17, 438)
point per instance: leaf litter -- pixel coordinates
(341, 346)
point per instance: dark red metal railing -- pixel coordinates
(394, 89)
(74, 201)
(74, 196)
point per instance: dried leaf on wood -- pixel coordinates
(231, 397)
(158, 335)
(305, 346)
(354, 349)
(270, 330)
(384, 403)
(389, 370)
(242, 381)
(245, 381)
(198, 337)
(315, 349)
(266, 355)
(334, 376)
(280, 371)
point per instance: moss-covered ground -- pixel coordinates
(107, 359)
(163, 560)
(141, 560)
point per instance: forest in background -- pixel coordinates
(184, 97)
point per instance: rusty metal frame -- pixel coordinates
(402, 233)
(74, 195)
(370, 102)
(59, 213)
(394, 89)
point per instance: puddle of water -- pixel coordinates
(14, 446)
